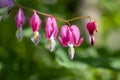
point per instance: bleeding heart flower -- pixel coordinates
(70, 36)
(51, 30)
(20, 20)
(91, 27)
(35, 23)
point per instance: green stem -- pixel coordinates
(57, 18)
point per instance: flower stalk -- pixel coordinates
(57, 18)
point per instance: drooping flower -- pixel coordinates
(35, 23)
(20, 20)
(70, 36)
(91, 27)
(51, 30)
(6, 3)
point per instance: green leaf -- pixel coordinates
(3, 10)
(1, 18)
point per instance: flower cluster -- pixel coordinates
(69, 34)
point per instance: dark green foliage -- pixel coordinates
(25, 61)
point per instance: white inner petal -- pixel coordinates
(36, 38)
(19, 34)
(51, 43)
(71, 51)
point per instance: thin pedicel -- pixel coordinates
(57, 18)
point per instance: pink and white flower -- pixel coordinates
(35, 23)
(91, 27)
(70, 36)
(51, 30)
(20, 20)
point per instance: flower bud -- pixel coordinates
(91, 27)
(20, 21)
(35, 23)
(51, 30)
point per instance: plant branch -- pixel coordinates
(57, 18)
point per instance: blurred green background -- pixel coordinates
(25, 61)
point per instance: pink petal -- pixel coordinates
(51, 27)
(93, 24)
(75, 34)
(65, 35)
(80, 42)
(35, 22)
(20, 18)
(48, 27)
(61, 42)
(91, 27)
(55, 27)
